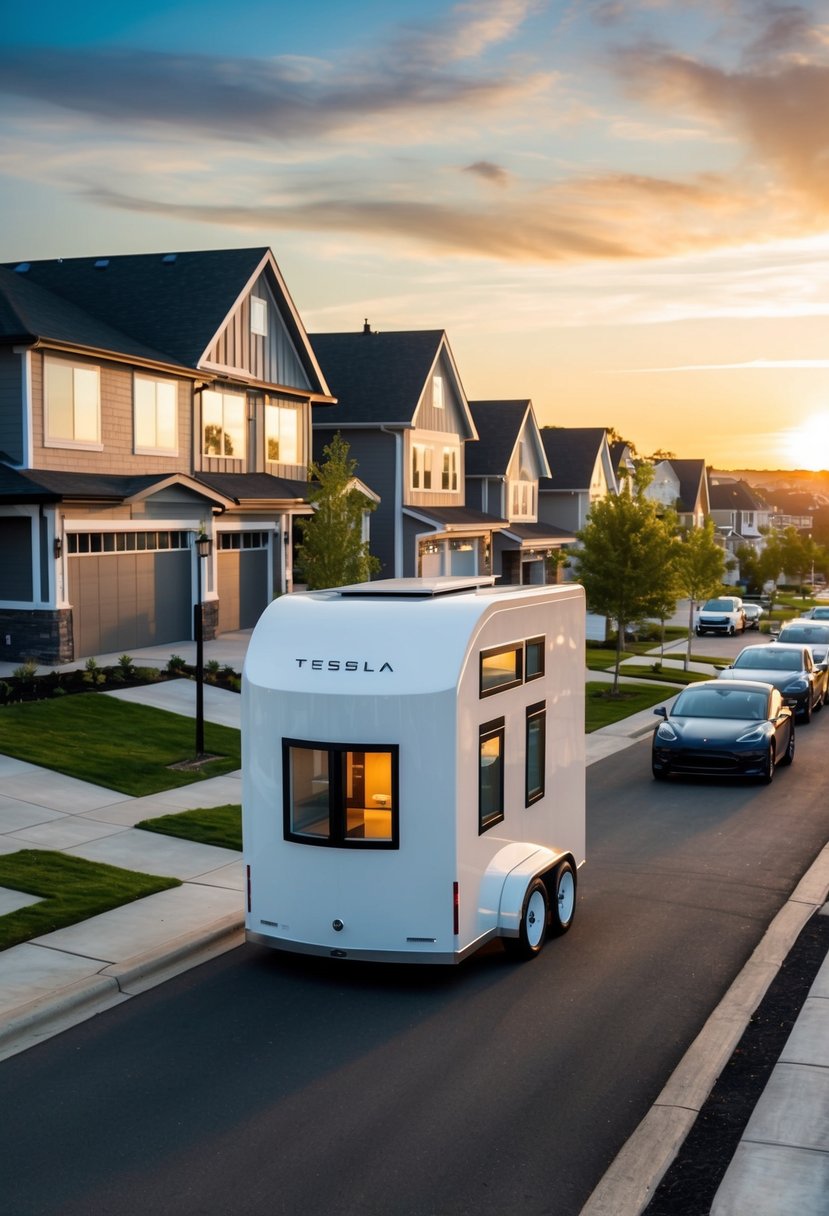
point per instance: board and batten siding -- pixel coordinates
(12, 404)
(450, 418)
(271, 358)
(433, 497)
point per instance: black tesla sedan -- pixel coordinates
(733, 728)
(789, 668)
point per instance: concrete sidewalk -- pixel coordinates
(54, 981)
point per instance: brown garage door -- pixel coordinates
(242, 579)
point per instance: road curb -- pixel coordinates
(631, 1180)
(143, 971)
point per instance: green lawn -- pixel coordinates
(122, 746)
(220, 825)
(70, 888)
(602, 708)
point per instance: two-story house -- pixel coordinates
(581, 473)
(402, 409)
(145, 399)
(740, 516)
(503, 467)
(683, 486)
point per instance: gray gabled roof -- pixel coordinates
(733, 496)
(376, 377)
(498, 424)
(172, 305)
(56, 485)
(452, 518)
(572, 452)
(245, 489)
(539, 534)
(691, 475)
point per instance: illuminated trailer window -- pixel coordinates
(343, 795)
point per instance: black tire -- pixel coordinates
(731, 631)
(698, 632)
(806, 716)
(659, 774)
(770, 765)
(788, 756)
(563, 903)
(535, 919)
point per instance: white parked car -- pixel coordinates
(724, 614)
(752, 613)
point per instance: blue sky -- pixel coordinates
(618, 209)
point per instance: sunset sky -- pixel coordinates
(617, 209)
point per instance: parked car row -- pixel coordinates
(742, 724)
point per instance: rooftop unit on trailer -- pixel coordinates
(414, 768)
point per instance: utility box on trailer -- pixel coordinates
(414, 768)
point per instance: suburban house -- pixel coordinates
(503, 467)
(146, 400)
(581, 473)
(403, 411)
(683, 486)
(740, 517)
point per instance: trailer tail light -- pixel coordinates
(456, 908)
(248, 885)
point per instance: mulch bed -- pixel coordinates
(691, 1182)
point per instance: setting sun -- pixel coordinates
(807, 447)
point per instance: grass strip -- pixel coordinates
(219, 825)
(602, 708)
(69, 889)
(668, 675)
(113, 743)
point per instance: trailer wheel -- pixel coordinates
(564, 899)
(535, 916)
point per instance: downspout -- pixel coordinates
(398, 499)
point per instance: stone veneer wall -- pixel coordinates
(46, 635)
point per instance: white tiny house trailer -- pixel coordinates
(414, 768)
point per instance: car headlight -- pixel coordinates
(798, 685)
(666, 732)
(755, 734)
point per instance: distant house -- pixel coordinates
(735, 505)
(581, 473)
(503, 467)
(403, 411)
(683, 486)
(143, 399)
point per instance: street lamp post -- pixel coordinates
(202, 551)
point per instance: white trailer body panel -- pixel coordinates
(348, 692)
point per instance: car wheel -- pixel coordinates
(769, 766)
(807, 711)
(532, 930)
(731, 631)
(659, 774)
(563, 907)
(789, 753)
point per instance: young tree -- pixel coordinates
(332, 552)
(699, 573)
(625, 561)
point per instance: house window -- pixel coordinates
(449, 477)
(223, 424)
(258, 316)
(343, 795)
(490, 774)
(282, 433)
(522, 499)
(226, 541)
(535, 752)
(155, 410)
(421, 467)
(89, 544)
(437, 392)
(501, 667)
(73, 404)
(533, 658)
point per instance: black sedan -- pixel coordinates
(791, 669)
(724, 729)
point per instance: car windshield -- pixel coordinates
(805, 634)
(720, 606)
(766, 658)
(720, 702)
(820, 614)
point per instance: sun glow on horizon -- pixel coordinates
(807, 446)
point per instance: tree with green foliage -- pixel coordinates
(699, 571)
(625, 560)
(333, 552)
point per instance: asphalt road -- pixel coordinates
(262, 1083)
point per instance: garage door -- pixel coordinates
(129, 590)
(242, 574)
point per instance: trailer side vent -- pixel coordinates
(421, 939)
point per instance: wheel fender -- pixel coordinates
(511, 871)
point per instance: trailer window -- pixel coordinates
(501, 667)
(535, 752)
(534, 658)
(340, 794)
(491, 774)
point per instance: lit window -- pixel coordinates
(73, 411)
(501, 668)
(282, 433)
(490, 774)
(258, 316)
(156, 415)
(223, 424)
(421, 467)
(535, 752)
(342, 795)
(449, 479)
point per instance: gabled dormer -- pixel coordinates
(503, 467)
